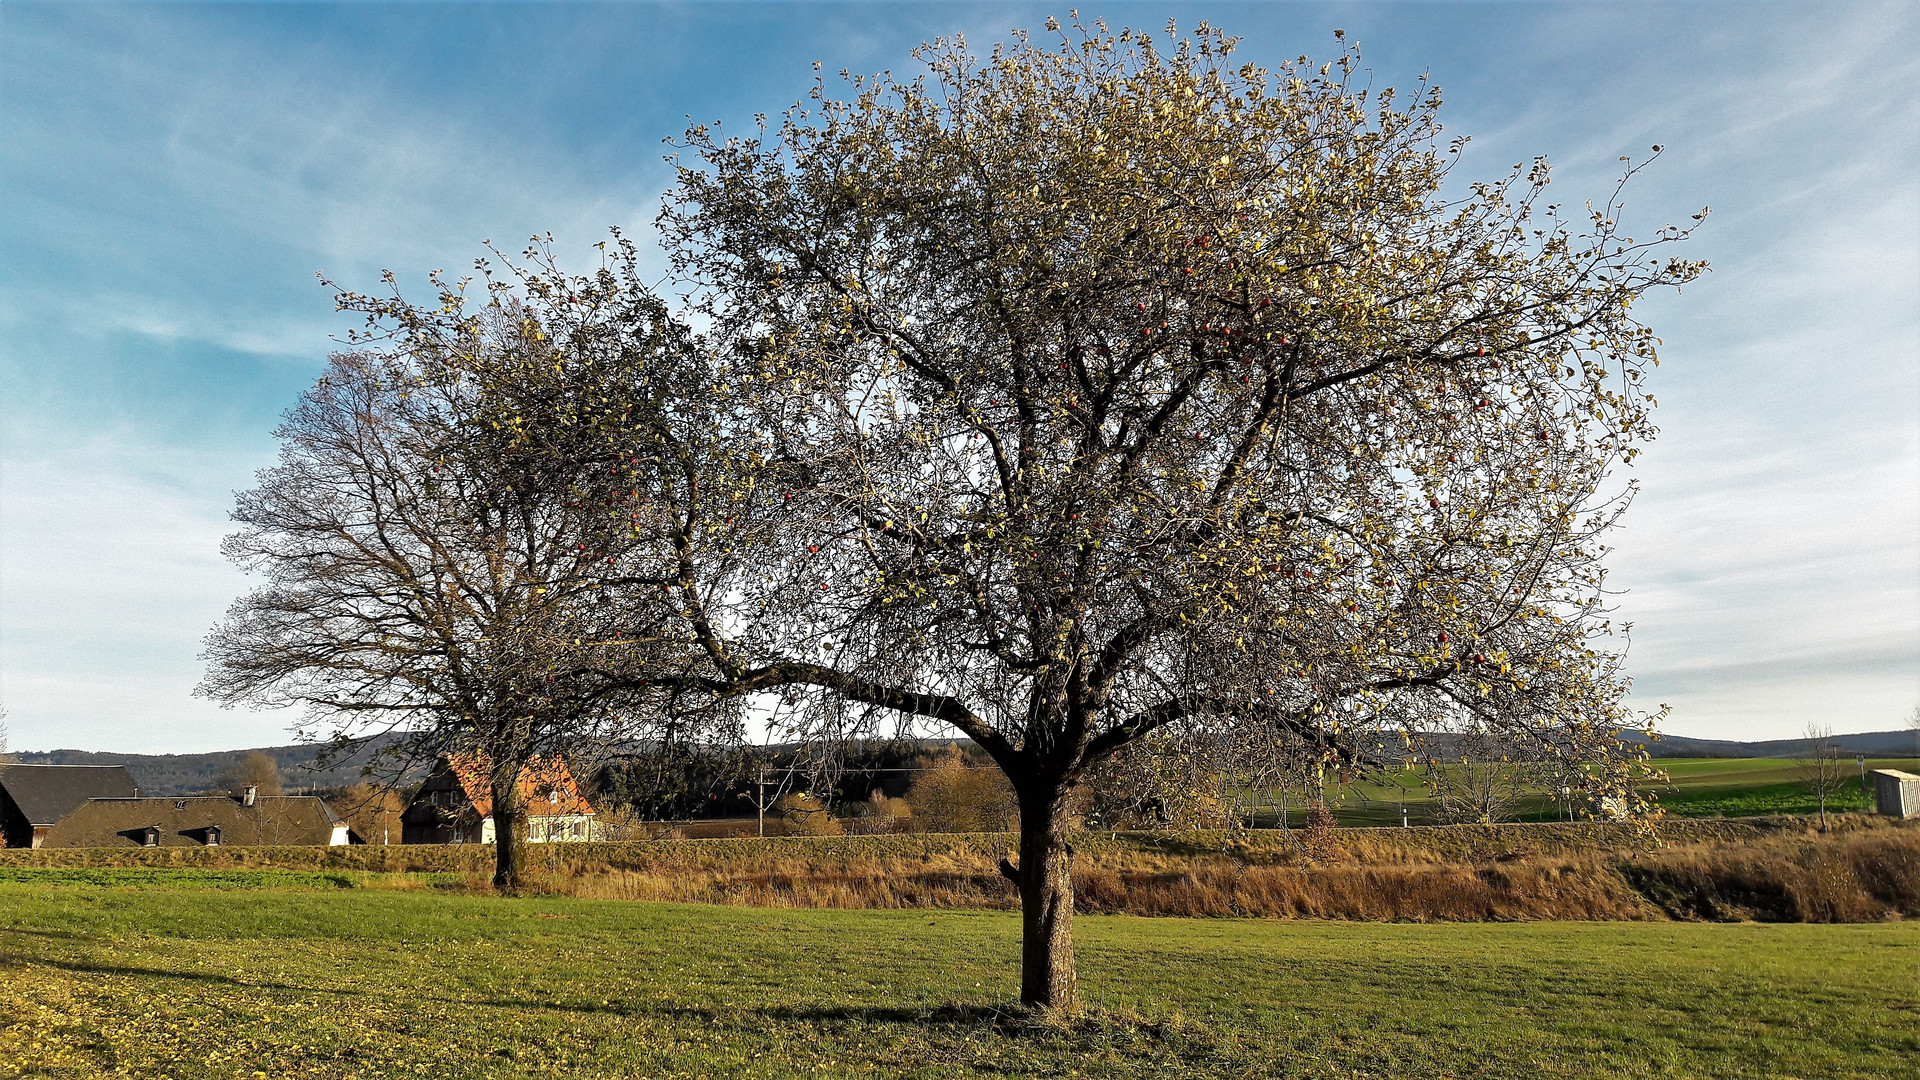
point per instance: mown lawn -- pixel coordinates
(317, 975)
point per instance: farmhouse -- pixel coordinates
(34, 798)
(455, 804)
(201, 821)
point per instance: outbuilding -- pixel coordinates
(1896, 793)
(34, 798)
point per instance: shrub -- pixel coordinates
(951, 796)
(1158, 783)
(880, 814)
(806, 815)
(1316, 838)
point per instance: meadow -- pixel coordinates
(1714, 947)
(248, 973)
(1864, 869)
(1691, 787)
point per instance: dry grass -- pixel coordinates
(1210, 886)
(1866, 869)
(1862, 874)
(1848, 877)
(1521, 891)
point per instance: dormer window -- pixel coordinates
(152, 838)
(213, 836)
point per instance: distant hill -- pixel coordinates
(187, 774)
(1871, 743)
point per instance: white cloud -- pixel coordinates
(176, 185)
(110, 571)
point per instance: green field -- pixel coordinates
(241, 973)
(1748, 787)
(1694, 787)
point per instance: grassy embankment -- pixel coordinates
(179, 979)
(1867, 869)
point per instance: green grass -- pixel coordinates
(1751, 787)
(167, 878)
(1695, 787)
(196, 878)
(1760, 800)
(251, 973)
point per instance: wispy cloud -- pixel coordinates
(180, 189)
(1772, 562)
(176, 175)
(110, 571)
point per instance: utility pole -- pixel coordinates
(760, 802)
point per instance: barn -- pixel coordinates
(246, 819)
(34, 798)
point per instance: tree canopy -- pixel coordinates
(461, 540)
(1126, 390)
(1085, 393)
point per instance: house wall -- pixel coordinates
(432, 829)
(550, 829)
(438, 812)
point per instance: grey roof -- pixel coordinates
(183, 822)
(47, 793)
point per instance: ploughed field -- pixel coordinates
(153, 972)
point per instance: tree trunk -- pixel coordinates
(509, 828)
(1045, 878)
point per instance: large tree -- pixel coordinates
(1092, 393)
(255, 770)
(1101, 390)
(454, 539)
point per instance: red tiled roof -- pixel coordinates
(547, 786)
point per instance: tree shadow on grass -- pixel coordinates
(88, 967)
(82, 967)
(63, 935)
(1008, 1019)
(1094, 1034)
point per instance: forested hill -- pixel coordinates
(1871, 743)
(182, 774)
(186, 774)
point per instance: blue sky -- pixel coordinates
(173, 176)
